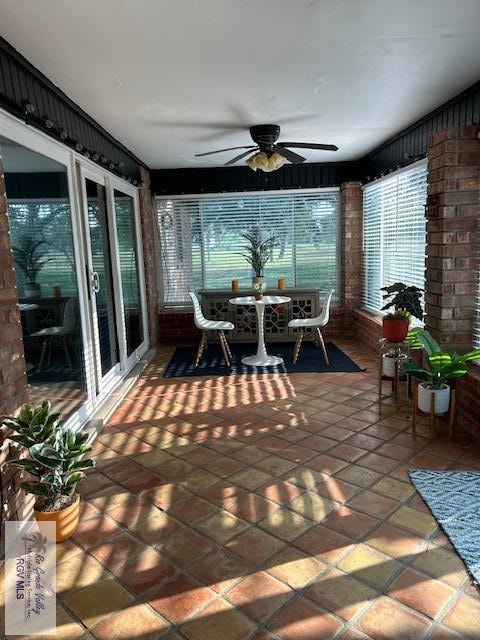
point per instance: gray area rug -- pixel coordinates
(454, 499)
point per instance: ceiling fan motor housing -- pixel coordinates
(265, 135)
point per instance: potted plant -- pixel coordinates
(257, 253)
(55, 462)
(390, 360)
(31, 259)
(440, 368)
(259, 289)
(406, 302)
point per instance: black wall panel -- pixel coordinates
(242, 178)
(21, 84)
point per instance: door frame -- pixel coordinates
(102, 382)
(116, 184)
(18, 132)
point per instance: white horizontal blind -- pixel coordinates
(394, 233)
(46, 221)
(201, 240)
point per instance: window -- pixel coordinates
(394, 233)
(42, 226)
(201, 240)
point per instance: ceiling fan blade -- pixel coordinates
(242, 155)
(292, 157)
(309, 145)
(209, 153)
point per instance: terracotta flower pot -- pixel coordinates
(66, 519)
(395, 330)
(259, 296)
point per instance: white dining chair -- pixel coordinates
(205, 325)
(312, 326)
(62, 332)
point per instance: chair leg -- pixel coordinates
(322, 345)
(201, 347)
(49, 352)
(224, 345)
(298, 344)
(43, 353)
(227, 346)
(67, 355)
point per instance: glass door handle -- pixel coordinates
(95, 282)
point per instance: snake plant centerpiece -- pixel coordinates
(440, 367)
(55, 463)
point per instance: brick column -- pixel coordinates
(452, 236)
(351, 221)
(149, 233)
(13, 380)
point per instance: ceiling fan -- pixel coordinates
(269, 154)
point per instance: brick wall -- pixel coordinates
(13, 380)
(452, 255)
(452, 236)
(148, 224)
(351, 232)
(367, 328)
(176, 328)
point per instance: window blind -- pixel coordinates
(46, 221)
(201, 240)
(394, 233)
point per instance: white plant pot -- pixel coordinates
(32, 290)
(259, 280)
(442, 398)
(388, 363)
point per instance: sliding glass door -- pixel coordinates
(128, 240)
(77, 250)
(114, 277)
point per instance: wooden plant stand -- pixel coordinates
(433, 418)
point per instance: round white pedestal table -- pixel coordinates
(261, 358)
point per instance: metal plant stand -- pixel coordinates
(401, 349)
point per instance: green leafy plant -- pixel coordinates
(55, 456)
(440, 366)
(406, 301)
(258, 252)
(30, 258)
(259, 288)
(32, 426)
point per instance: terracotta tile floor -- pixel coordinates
(269, 507)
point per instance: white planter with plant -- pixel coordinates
(257, 253)
(31, 259)
(55, 462)
(440, 368)
(388, 363)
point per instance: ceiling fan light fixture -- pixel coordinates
(261, 161)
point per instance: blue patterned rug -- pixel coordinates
(454, 499)
(213, 363)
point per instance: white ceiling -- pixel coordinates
(171, 78)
